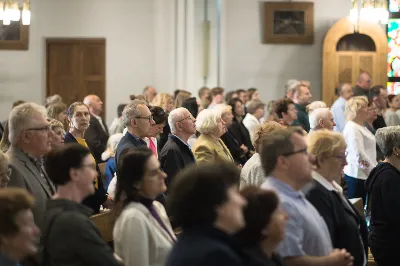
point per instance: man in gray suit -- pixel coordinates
(30, 140)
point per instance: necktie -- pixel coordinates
(152, 146)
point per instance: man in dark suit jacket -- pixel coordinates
(138, 120)
(96, 135)
(363, 85)
(176, 153)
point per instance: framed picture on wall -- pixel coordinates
(289, 22)
(14, 36)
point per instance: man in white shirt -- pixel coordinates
(255, 111)
(345, 92)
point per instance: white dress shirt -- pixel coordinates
(361, 150)
(251, 123)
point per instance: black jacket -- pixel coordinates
(99, 197)
(71, 238)
(383, 188)
(241, 133)
(206, 246)
(127, 142)
(347, 228)
(96, 138)
(358, 91)
(175, 156)
(379, 122)
(233, 145)
(259, 258)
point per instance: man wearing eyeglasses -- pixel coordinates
(288, 166)
(364, 83)
(138, 120)
(30, 137)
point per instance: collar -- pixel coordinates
(282, 187)
(250, 116)
(331, 186)
(36, 162)
(175, 136)
(300, 107)
(341, 99)
(95, 116)
(66, 204)
(5, 261)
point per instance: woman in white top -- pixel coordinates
(392, 114)
(361, 147)
(142, 233)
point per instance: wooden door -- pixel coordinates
(76, 68)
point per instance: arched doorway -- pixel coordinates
(346, 54)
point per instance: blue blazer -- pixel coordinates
(127, 142)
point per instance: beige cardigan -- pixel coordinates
(139, 239)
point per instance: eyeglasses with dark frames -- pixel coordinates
(150, 118)
(287, 154)
(188, 117)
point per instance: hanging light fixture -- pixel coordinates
(370, 10)
(14, 10)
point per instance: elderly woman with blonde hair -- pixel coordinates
(346, 226)
(252, 172)
(209, 147)
(361, 147)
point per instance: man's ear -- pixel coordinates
(25, 136)
(321, 122)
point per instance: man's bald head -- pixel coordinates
(94, 103)
(364, 81)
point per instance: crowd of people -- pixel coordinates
(219, 179)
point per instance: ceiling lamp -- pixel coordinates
(14, 10)
(370, 10)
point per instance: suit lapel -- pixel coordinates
(348, 207)
(32, 168)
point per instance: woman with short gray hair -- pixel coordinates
(383, 188)
(209, 147)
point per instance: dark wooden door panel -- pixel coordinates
(76, 68)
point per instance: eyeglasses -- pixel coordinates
(372, 109)
(44, 128)
(150, 118)
(188, 117)
(295, 152)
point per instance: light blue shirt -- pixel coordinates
(337, 110)
(306, 232)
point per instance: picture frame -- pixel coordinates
(14, 36)
(289, 22)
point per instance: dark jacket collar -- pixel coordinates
(5, 261)
(68, 205)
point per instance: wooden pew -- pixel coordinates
(104, 222)
(102, 167)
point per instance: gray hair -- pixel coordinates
(175, 116)
(131, 110)
(254, 105)
(388, 138)
(291, 84)
(315, 116)
(20, 119)
(207, 120)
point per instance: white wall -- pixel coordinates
(147, 44)
(249, 63)
(127, 26)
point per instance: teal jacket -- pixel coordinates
(302, 117)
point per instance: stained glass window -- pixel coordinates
(394, 5)
(393, 87)
(393, 62)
